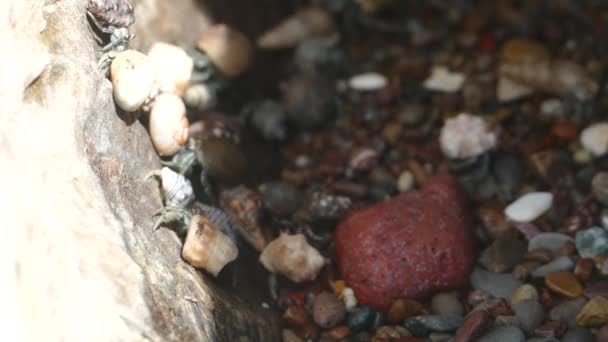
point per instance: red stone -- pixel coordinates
(410, 246)
(474, 326)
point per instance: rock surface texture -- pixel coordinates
(76, 209)
(409, 246)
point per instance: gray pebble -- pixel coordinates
(496, 284)
(578, 334)
(561, 264)
(552, 241)
(280, 198)
(270, 120)
(592, 242)
(503, 254)
(504, 334)
(441, 323)
(530, 314)
(447, 303)
(566, 312)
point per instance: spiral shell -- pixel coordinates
(168, 124)
(293, 257)
(133, 79)
(306, 23)
(200, 96)
(229, 50)
(244, 207)
(173, 67)
(177, 188)
(207, 247)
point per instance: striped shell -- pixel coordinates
(177, 188)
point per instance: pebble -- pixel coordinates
(466, 136)
(584, 269)
(474, 326)
(542, 255)
(551, 329)
(561, 264)
(564, 283)
(530, 314)
(439, 337)
(270, 121)
(447, 303)
(417, 328)
(405, 182)
(523, 293)
(494, 221)
(391, 332)
(504, 334)
(594, 138)
(327, 310)
(568, 249)
(370, 81)
(602, 334)
(290, 336)
(592, 242)
(503, 254)
(338, 333)
(496, 284)
(504, 320)
(295, 316)
(594, 314)
(599, 187)
(566, 312)
(361, 318)
(401, 309)
(412, 114)
(280, 198)
(529, 207)
(578, 334)
(443, 80)
(550, 241)
(525, 269)
(597, 288)
(440, 323)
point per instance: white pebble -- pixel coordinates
(367, 82)
(595, 138)
(173, 67)
(529, 207)
(133, 79)
(442, 79)
(405, 181)
(349, 299)
(466, 136)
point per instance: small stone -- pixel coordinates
(496, 307)
(370, 81)
(443, 80)
(440, 323)
(551, 241)
(504, 334)
(402, 309)
(568, 249)
(474, 326)
(405, 182)
(361, 318)
(497, 284)
(411, 115)
(391, 332)
(494, 221)
(564, 283)
(440, 337)
(503, 254)
(466, 136)
(597, 288)
(592, 242)
(584, 269)
(594, 138)
(363, 158)
(561, 264)
(602, 334)
(504, 320)
(477, 297)
(566, 312)
(524, 292)
(280, 198)
(447, 304)
(551, 329)
(290, 336)
(529, 207)
(508, 90)
(524, 270)
(542, 255)
(594, 314)
(349, 299)
(327, 310)
(295, 317)
(578, 334)
(338, 333)
(416, 327)
(530, 314)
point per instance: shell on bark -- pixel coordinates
(207, 247)
(173, 67)
(168, 124)
(133, 79)
(177, 188)
(293, 257)
(230, 51)
(304, 24)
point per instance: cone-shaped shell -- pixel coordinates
(207, 247)
(304, 24)
(293, 257)
(229, 50)
(133, 79)
(177, 188)
(168, 124)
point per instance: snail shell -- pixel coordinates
(173, 67)
(207, 247)
(133, 79)
(177, 188)
(168, 124)
(200, 96)
(304, 24)
(244, 207)
(229, 50)
(293, 257)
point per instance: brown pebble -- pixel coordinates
(564, 130)
(594, 314)
(545, 298)
(584, 269)
(525, 269)
(564, 283)
(327, 310)
(385, 333)
(551, 329)
(474, 326)
(338, 333)
(494, 221)
(568, 249)
(403, 308)
(295, 316)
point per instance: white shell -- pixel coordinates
(173, 67)
(367, 82)
(207, 247)
(168, 124)
(529, 207)
(595, 138)
(200, 96)
(133, 78)
(466, 136)
(293, 257)
(177, 188)
(442, 79)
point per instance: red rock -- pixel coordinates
(474, 326)
(410, 246)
